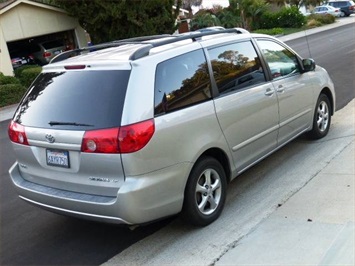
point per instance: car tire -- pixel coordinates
(342, 14)
(321, 118)
(205, 192)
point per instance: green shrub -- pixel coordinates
(313, 23)
(13, 88)
(268, 20)
(291, 17)
(11, 94)
(287, 17)
(203, 20)
(18, 71)
(28, 75)
(8, 80)
(322, 19)
(273, 31)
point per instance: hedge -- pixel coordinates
(287, 17)
(28, 75)
(8, 80)
(11, 94)
(13, 88)
(315, 20)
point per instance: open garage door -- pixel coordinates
(41, 49)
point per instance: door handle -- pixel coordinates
(280, 89)
(269, 92)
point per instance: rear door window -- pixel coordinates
(236, 66)
(77, 100)
(181, 81)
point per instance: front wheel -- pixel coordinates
(321, 119)
(205, 192)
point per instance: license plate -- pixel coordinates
(57, 52)
(58, 158)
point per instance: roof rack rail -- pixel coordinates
(194, 36)
(65, 55)
(143, 51)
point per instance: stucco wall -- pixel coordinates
(25, 21)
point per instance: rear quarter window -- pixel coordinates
(93, 98)
(181, 81)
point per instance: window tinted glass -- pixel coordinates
(281, 61)
(93, 98)
(236, 66)
(181, 81)
(52, 44)
(34, 48)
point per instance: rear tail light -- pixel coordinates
(126, 139)
(101, 141)
(17, 133)
(352, 7)
(46, 54)
(134, 137)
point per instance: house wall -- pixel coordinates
(24, 21)
(5, 61)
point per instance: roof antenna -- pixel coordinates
(309, 49)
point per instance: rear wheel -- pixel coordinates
(342, 14)
(322, 118)
(205, 192)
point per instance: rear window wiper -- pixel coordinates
(57, 123)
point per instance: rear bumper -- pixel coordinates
(140, 199)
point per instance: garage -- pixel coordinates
(33, 33)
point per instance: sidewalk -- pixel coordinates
(316, 225)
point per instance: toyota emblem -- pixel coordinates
(50, 138)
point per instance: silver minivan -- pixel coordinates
(136, 130)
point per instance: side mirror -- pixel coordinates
(308, 64)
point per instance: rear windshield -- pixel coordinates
(52, 44)
(77, 100)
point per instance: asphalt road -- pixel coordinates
(31, 236)
(335, 51)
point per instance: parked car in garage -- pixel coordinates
(21, 61)
(346, 7)
(136, 130)
(323, 10)
(20, 57)
(43, 52)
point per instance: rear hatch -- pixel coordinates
(65, 130)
